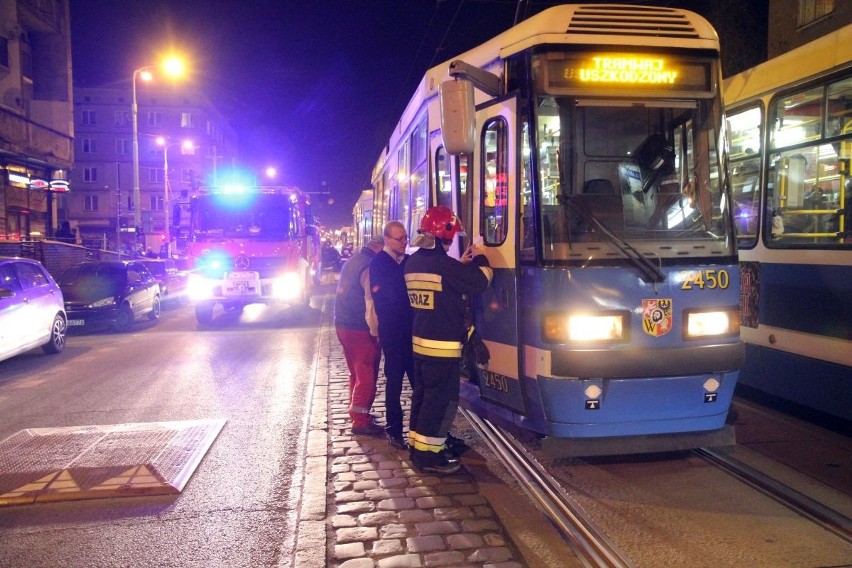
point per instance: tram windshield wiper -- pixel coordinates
(649, 270)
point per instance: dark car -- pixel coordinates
(109, 293)
(330, 259)
(31, 308)
(172, 281)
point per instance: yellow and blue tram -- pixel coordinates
(584, 147)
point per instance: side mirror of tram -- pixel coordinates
(458, 116)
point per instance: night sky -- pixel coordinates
(311, 86)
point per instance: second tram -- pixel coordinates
(584, 148)
(790, 124)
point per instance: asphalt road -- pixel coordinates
(238, 509)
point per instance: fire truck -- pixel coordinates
(249, 246)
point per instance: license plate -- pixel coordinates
(76, 322)
(245, 275)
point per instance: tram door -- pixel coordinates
(494, 226)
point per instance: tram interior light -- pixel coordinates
(714, 323)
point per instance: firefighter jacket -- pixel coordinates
(437, 285)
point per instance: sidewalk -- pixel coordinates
(375, 509)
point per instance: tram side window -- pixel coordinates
(419, 175)
(443, 179)
(403, 180)
(495, 181)
(809, 169)
(744, 151)
(526, 205)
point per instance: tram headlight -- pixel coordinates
(561, 327)
(711, 323)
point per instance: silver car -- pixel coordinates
(32, 312)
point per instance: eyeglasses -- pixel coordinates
(401, 239)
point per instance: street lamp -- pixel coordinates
(172, 67)
(186, 144)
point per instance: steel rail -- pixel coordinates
(825, 517)
(590, 543)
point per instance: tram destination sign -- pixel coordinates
(633, 71)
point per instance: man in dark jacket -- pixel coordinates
(437, 288)
(357, 331)
(394, 313)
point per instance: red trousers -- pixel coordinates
(362, 354)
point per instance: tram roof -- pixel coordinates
(621, 25)
(817, 57)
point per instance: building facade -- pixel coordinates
(796, 22)
(102, 206)
(36, 115)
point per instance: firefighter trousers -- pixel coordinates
(434, 403)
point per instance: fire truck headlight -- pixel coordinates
(561, 327)
(288, 286)
(711, 323)
(199, 288)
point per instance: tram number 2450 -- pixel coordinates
(494, 381)
(706, 280)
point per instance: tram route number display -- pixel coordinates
(706, 279)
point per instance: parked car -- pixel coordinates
(109, 293)
(172, 281)
(330, 259)
(32, 313)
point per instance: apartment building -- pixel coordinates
(36, 115)
(183, 140)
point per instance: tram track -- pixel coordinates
(824, 516)
(591, 545)
(596, 545)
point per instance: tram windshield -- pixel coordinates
(628, 172)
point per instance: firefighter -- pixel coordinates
(437, 287)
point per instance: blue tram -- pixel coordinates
(584, 149)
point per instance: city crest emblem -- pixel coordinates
(657, 316)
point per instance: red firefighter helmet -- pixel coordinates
(441, 222)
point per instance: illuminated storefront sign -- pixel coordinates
(19, 180)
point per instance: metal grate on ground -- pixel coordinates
(92, 462)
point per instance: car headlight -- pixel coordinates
(716, 322)
(103, 303)
(562, 327)
(288, 286)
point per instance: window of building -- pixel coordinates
(4, 52)
(121, 117)
(155, 175)
(156, 202)
(155, 118)
(88, 117)
(122, 146)
(89, 146)
(91, 203)
(813, 10)
(187, 120)
(90, 174)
